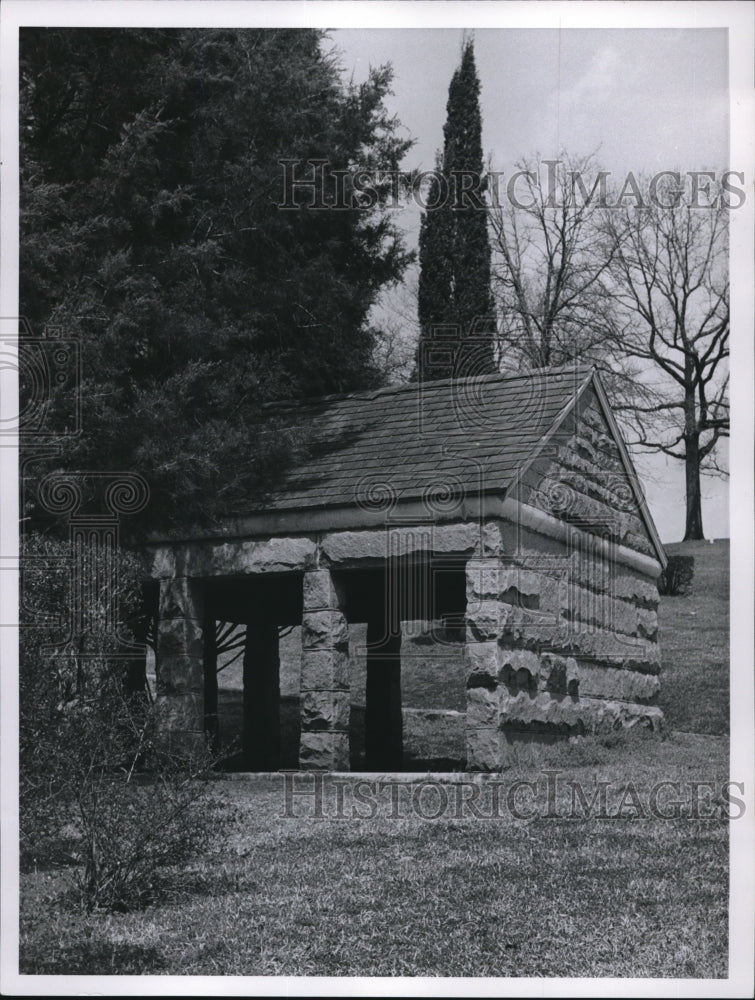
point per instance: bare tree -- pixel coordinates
(396, 329)
(668, 263)
(552, 269)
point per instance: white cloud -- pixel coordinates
(605, 74)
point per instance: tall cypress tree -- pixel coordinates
(454, 252)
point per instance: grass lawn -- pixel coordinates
(694, 636)
(416, 896)
(625, 894)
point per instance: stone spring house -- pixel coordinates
(501, 511)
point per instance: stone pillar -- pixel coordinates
(384, 747)
(180, 674)
(325, 698)
(261, 733)
(484, 616)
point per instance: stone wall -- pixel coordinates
(580, 478)
(561, 618)
(561, 640)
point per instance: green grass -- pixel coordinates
(694, 637)
(457, 896)
(412, 896)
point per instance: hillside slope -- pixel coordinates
(694, 637)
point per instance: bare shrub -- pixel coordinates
(676, 579)
(99, 790)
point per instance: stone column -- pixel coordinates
(180, 674)
(384, 749)
(261, 734)
(325, 698)
(484, 659)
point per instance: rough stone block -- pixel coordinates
(523, 709)
(484, 749)
(180, 675)
(533, 629)
(586, 608)
(381, 543)
(573, 677)
(552, 591)
(599, 681)
(633, 587)
(180, 712)
(163, 563)
(321, 751)
(608, 647)
(525, 545)
(324, 630)
(605, 716)
(639, 543)
(521, 581)
(522, 629)
(324, 669)
(180, 598)
(179, 637)
(491, 540)
(319, 590)
(483, 579)
(553, 673)
(520, 668)
(325, 710)
(647, 623)
(206, 558)
(483, 662)
(482, 707)
(594, 574)
(484, 620)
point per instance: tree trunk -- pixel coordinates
(694, 527)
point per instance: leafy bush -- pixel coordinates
(676, 579)
(98, 788)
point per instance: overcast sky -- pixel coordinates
(652, 99)
(646, 99)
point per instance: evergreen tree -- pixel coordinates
(454, 252)
(152, 234)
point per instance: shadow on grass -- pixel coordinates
(94, 958)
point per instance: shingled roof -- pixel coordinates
(414, 441)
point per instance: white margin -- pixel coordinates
(739, 19)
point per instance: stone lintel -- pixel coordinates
(354, 547)
(234, 557)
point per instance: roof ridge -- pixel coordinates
(289, 404)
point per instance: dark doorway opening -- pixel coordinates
(244, 618)
(426, 587)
